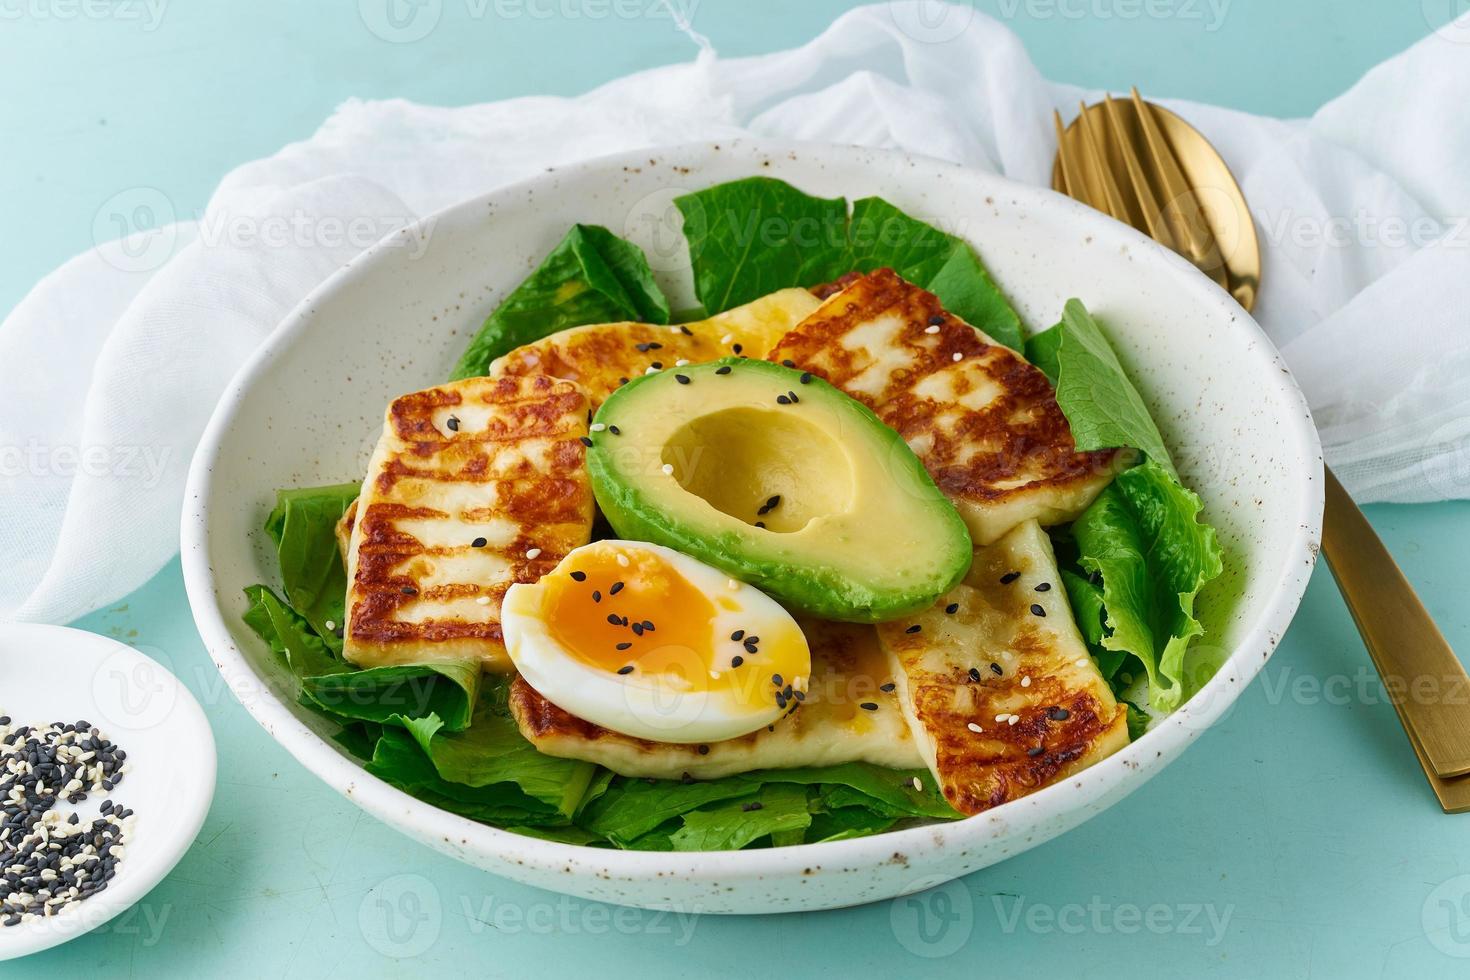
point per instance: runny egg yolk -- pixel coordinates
(619, 608)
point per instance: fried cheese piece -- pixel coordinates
(474, 486)
(831, 726)
(984, 422)
(1001, 693)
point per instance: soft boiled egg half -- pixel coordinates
(645, 641)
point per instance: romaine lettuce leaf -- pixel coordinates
(1144, 537)
(748, 238)
(592, 276)
(1093, 391)
(390, 695)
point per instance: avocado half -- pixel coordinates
(782, 481)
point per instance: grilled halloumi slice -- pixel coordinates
(603, 356)
(831, 726)
(1001, 693)
(984, 422)
(474, 486)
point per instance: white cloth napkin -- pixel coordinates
(110, 367)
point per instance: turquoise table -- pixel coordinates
(1296, 839)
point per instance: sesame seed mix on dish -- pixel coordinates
(50, 859)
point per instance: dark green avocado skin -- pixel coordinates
(816, 583)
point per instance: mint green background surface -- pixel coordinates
(1297, 839)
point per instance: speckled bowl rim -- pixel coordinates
(1085, 791)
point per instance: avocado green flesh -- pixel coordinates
(860, 532)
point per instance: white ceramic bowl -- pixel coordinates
(308, 407)
(52, 673)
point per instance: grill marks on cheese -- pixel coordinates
(831, 726)
(1068, 717)
(513, 474)
(987, 426)
(603, 356)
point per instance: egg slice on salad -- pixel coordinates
(645, 641)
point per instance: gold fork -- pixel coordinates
(1148, 168)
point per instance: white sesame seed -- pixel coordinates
(1013, 719)
(533, 554)
(974, 728)
(651, 370)
(1002, 716)
(330, 625)
(1025, 682)
(668, 469)
(732, 585)
(623, 560)
(483, 600)
(958, 356)
(1082, 663)
(681, 362)
(918, 785)
(933, 329)
(597, 426)
(727, 338)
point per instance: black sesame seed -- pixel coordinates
(788, 363)
(780, 700)
(1035, 751)
(616, 588)
(614, 619)
(760, 524)
(792, 396)
(686, 779)
(625, 669)
(580, 576)
(752, 806)
(737, 635)
(1009, 577)
(996, 669)
(937, 320)
(615, 430)
(806, 377)
(914, 628)
(736, 660)
(799, 695)
(952, 608)
(452, 424)
(622, 381)
(648, 625)
(1058, 714)
(782, 400)
(974, 673)
(409, 590)
(1036, 610)
(683, 379)
(624, 645)
(478, 543)
(887, 687)
(686, 331)
(704, 750)
(596, 596)
(869, 706)
(776, 679)
(752, 640)
(637, 629)
(586, 440)
(723, 369)
(1044, 587)
(737, 348)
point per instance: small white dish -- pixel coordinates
(56, 674)
(307, 409)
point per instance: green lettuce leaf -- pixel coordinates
(888, 791)
(779, 807)
(393, 695)
(1103, 407)
(1144, 537)
(304, 527)
(632, 808)
(1091, 614)
(592, 276)
(289, 635)
(399, 760)
(751, 237)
